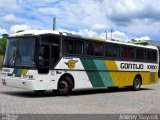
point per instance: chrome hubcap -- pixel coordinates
(137, 83)
(63, 86)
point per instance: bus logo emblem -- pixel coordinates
(71, 63)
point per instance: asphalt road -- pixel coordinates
(90, 101)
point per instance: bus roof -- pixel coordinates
(49, 32)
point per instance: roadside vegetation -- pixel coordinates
(3, 42)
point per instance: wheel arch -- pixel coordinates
(68, 75)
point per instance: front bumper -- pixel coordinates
(19, 83)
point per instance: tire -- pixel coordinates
(65, 86)
(136, 84)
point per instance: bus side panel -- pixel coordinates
(88, 72)
(119, 78)
(97, 72)
(153, 77)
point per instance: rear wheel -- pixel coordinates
(65, 86)
(136, 84)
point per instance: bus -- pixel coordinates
(41, 60)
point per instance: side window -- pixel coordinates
(149, 55)
(143, 54)
(69, 46)
(98, 49)
(108, 50)
(89, 48)
(79, 47)
(123, 52)
(155, 56)
(152, 55)
(137, 53)
(130, 53)
(116, 50)
(50, 40)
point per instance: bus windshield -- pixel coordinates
(20, 52)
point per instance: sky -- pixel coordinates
(127, 19)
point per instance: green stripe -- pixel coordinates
(17, 71)
(94, 77)
(105, 76)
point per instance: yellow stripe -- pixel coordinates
(24, 71)
(111, 65)
(126, 78)
(100, 39)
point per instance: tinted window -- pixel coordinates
(78, 47)
(123, 52)
(137, 53)
(69, 46)
(143, 54)
(108, 50)
(130, 53)
(154, 55)
(89, 48)
(50, 40)
(98, 49)
(149, 55)
(115, 51)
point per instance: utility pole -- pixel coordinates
(106, 34)
(54, 23)
(111, 33)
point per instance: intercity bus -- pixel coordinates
(41, 60)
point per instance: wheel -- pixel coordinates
(65, 86)
(136, 84)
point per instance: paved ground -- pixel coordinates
(19, 101)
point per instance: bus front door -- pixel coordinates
(48, 56)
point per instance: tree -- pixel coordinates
(3, 42)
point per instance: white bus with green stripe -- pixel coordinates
(41, 60)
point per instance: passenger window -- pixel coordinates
(79, 47)
(152, 55)
(89, 48)
(108, 50)
(124, 52)
(50, 40)
(69, 46)
(143, 54)
(149, 55)
(137, 53)
(155, 56)
(116, 51)
(98, 49)
(130, 53)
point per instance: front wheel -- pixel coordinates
(65, 86)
